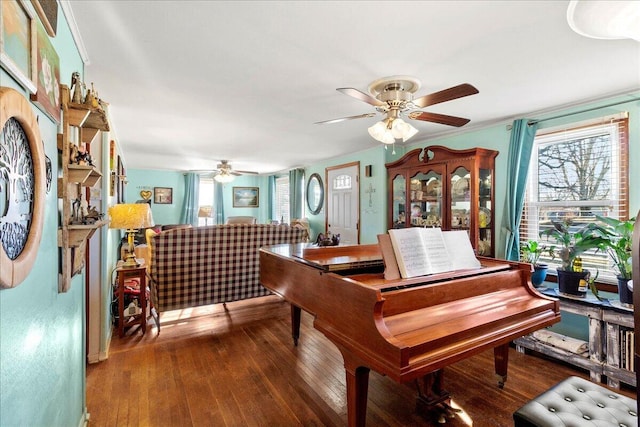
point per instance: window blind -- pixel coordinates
(575, 174)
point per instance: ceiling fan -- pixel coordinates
(393, 97)
(225, 172)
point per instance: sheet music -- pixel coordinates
(437, 255)
(421, 251)
(460, 250)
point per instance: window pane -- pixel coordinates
(576, 174)
(282, 200)
(205, 201)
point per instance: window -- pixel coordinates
(342, 182)
(576, 174)
(206, 215)
(281, 202)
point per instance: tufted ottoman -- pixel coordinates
(576, 402)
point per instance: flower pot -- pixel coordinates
(539, 274)
(624, 293)
(572, 282)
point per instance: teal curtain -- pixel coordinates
(218, 202)
(272, 197)
(520, 148)
(296, 199)
(190, 205)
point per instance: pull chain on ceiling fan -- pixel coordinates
(393, 96)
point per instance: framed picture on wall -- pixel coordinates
(18, 43)
(47, 97)
(246, 197)
(163, 195)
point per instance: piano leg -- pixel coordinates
(501, 361)
(433, 398)
(357, 389)
(295, 323)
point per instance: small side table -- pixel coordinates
(128, 320)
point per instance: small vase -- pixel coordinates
(569, 282)
(539, 274)
(624, 293)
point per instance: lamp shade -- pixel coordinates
(205, 212)
(402, 130)
(130, 216)
(381, 132)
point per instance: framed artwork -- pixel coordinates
(47, 96)
(121, 177)
(163, 195)
(47, 11)
(18, 42)
(246, 197)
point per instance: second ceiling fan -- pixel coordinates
(225, 172)
(393, 96)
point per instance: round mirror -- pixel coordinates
(315, 194)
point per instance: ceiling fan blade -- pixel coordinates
(246, 172)
(438, 118)
(455, 92)
(361, 96)
(342, 119)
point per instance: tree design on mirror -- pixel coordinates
(16, 183)
(22, 187)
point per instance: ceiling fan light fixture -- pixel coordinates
(381, 132)
(402, 130)
(223, 177)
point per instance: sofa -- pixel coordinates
(197, 266)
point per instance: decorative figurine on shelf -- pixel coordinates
(73, 153)
(76, 215)
(91, 99)
(83, 157)
(77, 87)
(92, 215)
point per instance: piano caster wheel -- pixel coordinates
(446, 411)
(501, 380)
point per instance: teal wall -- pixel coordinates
(42, 339)
(139, 180)
(146, 179)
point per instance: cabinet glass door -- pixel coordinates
(426, 199)
(460, 218)
(485, 212)
(399, 202)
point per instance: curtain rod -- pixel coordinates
(531, 122)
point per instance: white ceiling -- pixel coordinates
(193, 82)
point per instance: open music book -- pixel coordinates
(421, 251)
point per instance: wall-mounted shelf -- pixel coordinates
(79, 233)
(72, 237)
(87, 176)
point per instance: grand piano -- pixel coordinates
(407, 329)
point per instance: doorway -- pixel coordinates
(343, 202)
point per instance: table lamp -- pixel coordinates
(205, 212)
(130, 217)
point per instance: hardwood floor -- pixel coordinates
(238, 367)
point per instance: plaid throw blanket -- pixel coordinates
(207, 265)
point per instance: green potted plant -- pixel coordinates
(570, 245)
(530, 251)
(618, 238)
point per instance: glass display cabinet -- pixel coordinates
(440, 187)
